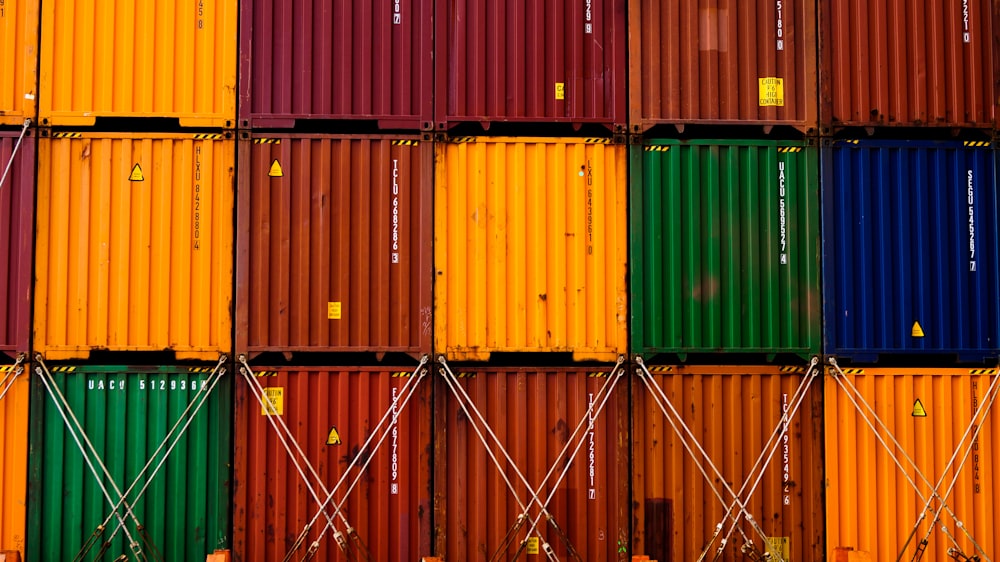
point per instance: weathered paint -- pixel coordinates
(13, 457)
(17, 209)
(19, 63)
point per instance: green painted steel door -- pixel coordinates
(177, 510)
(725, 247)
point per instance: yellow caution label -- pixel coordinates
(136, 174)
(781, 546)
(918, 409)
(274, 401)
(333, 310)
(275, 171)
(333, 438)
(772, 92)
(917, 331)
(560, 90)
(532, 545)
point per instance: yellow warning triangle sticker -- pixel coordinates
(136, 174)
(275, 171)
(334, 437)
(917, 331)
(918, 409)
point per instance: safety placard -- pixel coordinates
(772, 92)
(273, 403)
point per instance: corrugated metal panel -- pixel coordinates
(335, 244)
(126, 414)
(135, 244)
(337, 59)
(530, 247)
(17, 208)
(157, 58)
(910, 248)
(390, 508)
(535, 414)
(19, 63)
(732, 412)
(872, 503)
(725, 247)
(737, 62)
(908, 63)
(531, 61)
(13, 458)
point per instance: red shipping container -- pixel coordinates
(334, 244)
(536, 415)
(726, 62)
(531, 62)
(17, 210)
(908, 63)
(339, 59)
(332, 413)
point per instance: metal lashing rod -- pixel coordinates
(13, 153)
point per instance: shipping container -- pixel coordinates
(311, 59)
(557, 438)
(728, 62)
(156, 58)
(359, 435)
(17, 209)
(530, 247)
(135, 244)
(19, 63)
(551, 62)
(159, 437)
(14, 393)
(754, 431)
(894, 437)
(334, 244)
(909, 63)
(724, 247)
(910, 249)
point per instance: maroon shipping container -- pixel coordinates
(331, 414)
(339, 59)
(552, 61)
(334, 244)
(908, 63)
(726, 62)
(535, 414)
(17, 209)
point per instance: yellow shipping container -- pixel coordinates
(13, 457)
(893, 436)
(530, 247)
(18, 60)
(134, 245)
(151, 58)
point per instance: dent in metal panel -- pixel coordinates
(135, 244)
(14, 392)
(17, 201)
(18, 66)
(157, 58)
(910, 249)
(530, 247)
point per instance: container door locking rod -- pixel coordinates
(10, 374)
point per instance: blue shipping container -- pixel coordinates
(910, 249)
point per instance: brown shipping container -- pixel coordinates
(331, 413)
(725, 62)
(732, 412)
(334, 245)
(337, 59)
(17, 208)
(536, 415)
(908, 63)
(531, 61)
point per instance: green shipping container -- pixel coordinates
(182, 510)
(725, 247)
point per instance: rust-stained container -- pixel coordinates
(531, 61)
(340, 59)
(908, 63)
(17, 207)
(564, 431)
(332, 414)
(530, 247)
(895, 434)
(728, 62)
(14, 392)
(19, 63)
(156, 58)
(334, 244)
(732, 412)
(135, 244)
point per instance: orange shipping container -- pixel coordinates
(893, 436)
(530, 247)
(13, 456)
(19, 61)
(135, 244)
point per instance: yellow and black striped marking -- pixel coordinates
(660, 369)
(601, 140)
(783, 149)
(854, 141)
(267, 141)
(67, 135)
(977, 143)
(461, 375)
(992, 371)
(462, 139)
(265, 373)
(207, 136)
(405, 143)
(853, 371)
(597, 374)
(787, 369)
(400, 374)
(656, 148)
(63, 369)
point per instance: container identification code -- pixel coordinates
(197, 198)
(397, 12)
(786, 471)
(966, 36)
(591, 450)
(782, 216)
(971, 199)
(394, 462)
(977, 482)
(779, 7)
(590, 208)
(162, 385)
(395, 212)
(588, 20)
(3, 8)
